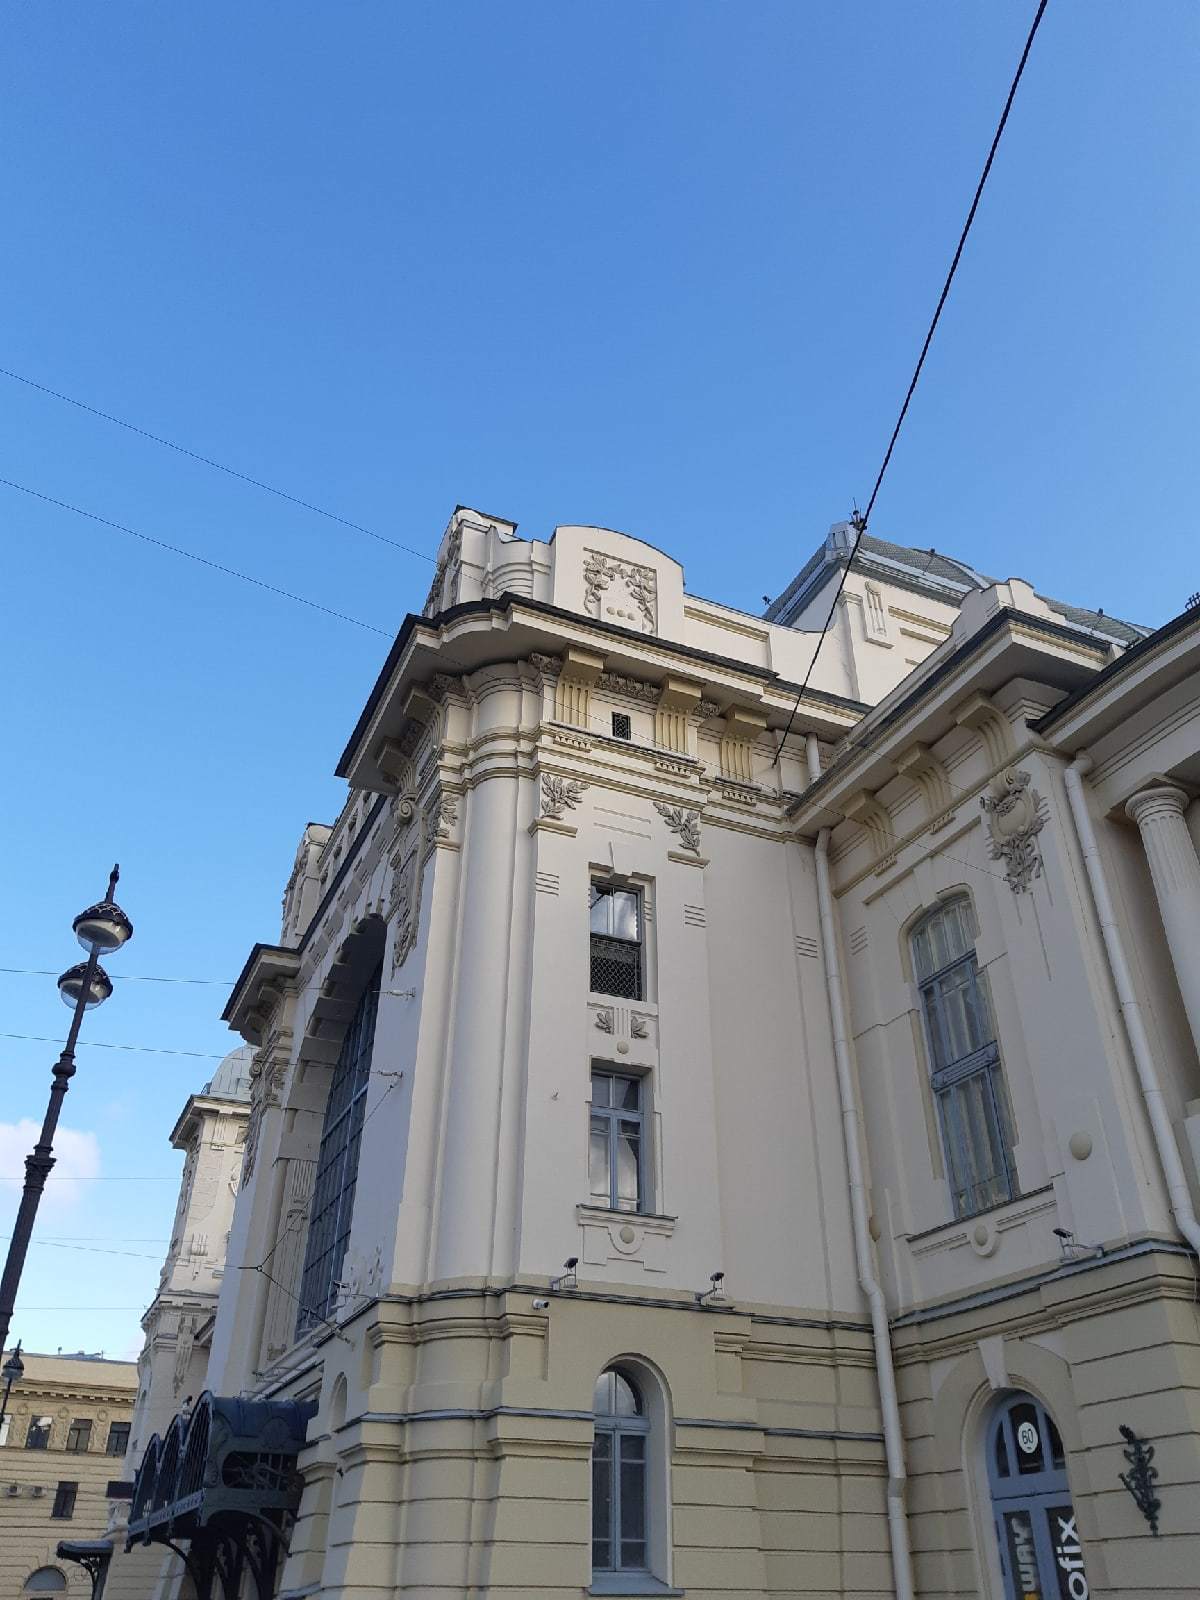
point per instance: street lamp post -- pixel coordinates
(12, 1372)
(101, 929)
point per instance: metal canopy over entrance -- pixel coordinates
(221, 1489)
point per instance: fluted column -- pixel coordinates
(1175, 869)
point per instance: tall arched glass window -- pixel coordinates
(1040, 1549)
(619, 1488)
(968, 1080)
(337, 1162)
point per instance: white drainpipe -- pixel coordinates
(893, 1437)
(1131, 1011)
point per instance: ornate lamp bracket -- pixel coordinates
(1140, 1478)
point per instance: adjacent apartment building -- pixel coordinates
(711, 1136)
(62, 1441)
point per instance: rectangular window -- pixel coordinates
(622, 726)
(118, 1439)
(966, 1076)
(38, 1437)
(616, 1163)
(64, 1501)
(616, 932)
(79, 1435)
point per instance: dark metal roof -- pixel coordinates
(939, 570)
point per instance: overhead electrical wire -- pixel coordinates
(101, 1044)
(208, 461)
(190, 555)
(94, 1249)
(861, 519)
(117, 977)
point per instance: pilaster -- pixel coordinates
(1175, 871)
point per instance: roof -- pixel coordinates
(231, 1081)
(923, 568)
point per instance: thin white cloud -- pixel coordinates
(76, 1156)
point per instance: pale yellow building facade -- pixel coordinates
(706, 1137)
(62, 1442)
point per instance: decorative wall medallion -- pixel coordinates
(639, 1027)
(604, 1019)
(560, 794)
(682, 822)
(620, 591)
(1016, 815)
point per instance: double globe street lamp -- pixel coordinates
(101, 930)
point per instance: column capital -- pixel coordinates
(1162, 800)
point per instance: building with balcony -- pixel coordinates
(708, 1135)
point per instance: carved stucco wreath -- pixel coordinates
(560, 794)
(683, 822)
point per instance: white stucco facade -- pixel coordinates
(564, 724)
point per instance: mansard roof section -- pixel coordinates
(930, 572)
(1006, 634)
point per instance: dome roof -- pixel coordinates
(231, 1081)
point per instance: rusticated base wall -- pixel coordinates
(462, 1464)
(1114, 1342)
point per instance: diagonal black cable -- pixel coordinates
(207, 461)
(190, 555)
(859, 520)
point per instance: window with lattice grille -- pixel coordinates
(616, 935)
(337, 1164)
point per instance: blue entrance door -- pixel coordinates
(1040, 1549)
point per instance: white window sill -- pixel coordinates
(643, 1583)
(605, 1217)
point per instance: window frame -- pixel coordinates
(599, 888)
(112, 1429)
(66, 1497)
(79, 1436)
(616, 1428)
(45, 1427)
(613, 1117)
(331, 1209)
(980, 1064)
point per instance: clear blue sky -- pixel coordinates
(660, 266)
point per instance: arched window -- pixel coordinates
(45, 1580)
(337, 1162)
(1040, 1549)
(620, 1501)
(968, 1081)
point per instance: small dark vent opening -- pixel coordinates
(622, 726)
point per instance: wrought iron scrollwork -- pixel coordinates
(1141, 1477)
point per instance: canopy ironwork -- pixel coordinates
(221, 1488)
